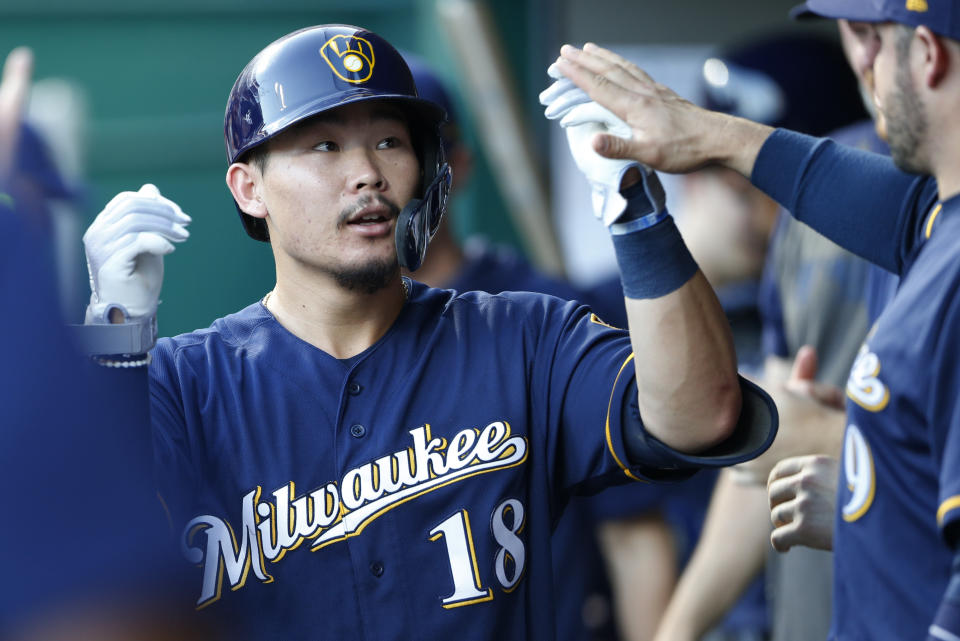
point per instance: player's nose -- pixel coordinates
(365, 171)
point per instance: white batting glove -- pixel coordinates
(582, 119)
(125, 247)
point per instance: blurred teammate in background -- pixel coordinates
(88, 550)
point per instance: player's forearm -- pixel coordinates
(733, 142)
(828, 186)
(688, 392)
(729, 555)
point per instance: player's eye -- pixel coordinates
(390, 142)
(863, 31)
(326, 145)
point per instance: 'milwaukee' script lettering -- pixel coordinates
(338, 510)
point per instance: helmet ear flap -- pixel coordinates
(420, 219)
(410, 247)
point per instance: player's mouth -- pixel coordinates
(372, 221)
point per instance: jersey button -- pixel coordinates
(357, 431)
(376, 569)
(354, 388)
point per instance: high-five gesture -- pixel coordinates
(668, 133)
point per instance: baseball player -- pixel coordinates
(895, 540)
(75, 465)
(358, 455)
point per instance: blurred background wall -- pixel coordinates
(133, 92)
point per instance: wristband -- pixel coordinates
(654, 261)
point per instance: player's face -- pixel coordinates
(333, 188)
(860, 44)
(898, 103)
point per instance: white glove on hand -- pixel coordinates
(125, 247)
(582, 119)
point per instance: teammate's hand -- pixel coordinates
(803, 495)
(125, 247)
(812, 416)
(668, 133)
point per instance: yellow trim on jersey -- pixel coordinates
(599, 321)
(946, 506)
(626, 469)
(460, 604)
(473, 551)
(933, 217)
(476, 569)
(880, 405)
(867, 502)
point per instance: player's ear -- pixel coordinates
(244, 181)
(936, 57)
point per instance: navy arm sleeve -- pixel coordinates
(858, 199)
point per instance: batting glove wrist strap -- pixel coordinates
(654, 261)
(135, 337)
(645, 205)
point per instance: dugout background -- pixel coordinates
(155, 77)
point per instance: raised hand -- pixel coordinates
(14, 90)
(668, 133)
(125, 247)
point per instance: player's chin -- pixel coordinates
(370, 275)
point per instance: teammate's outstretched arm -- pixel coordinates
(820, 183)
(688, 390)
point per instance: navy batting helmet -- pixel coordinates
(320, 68)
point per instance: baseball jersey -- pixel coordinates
(897, 486)
(408, 492)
